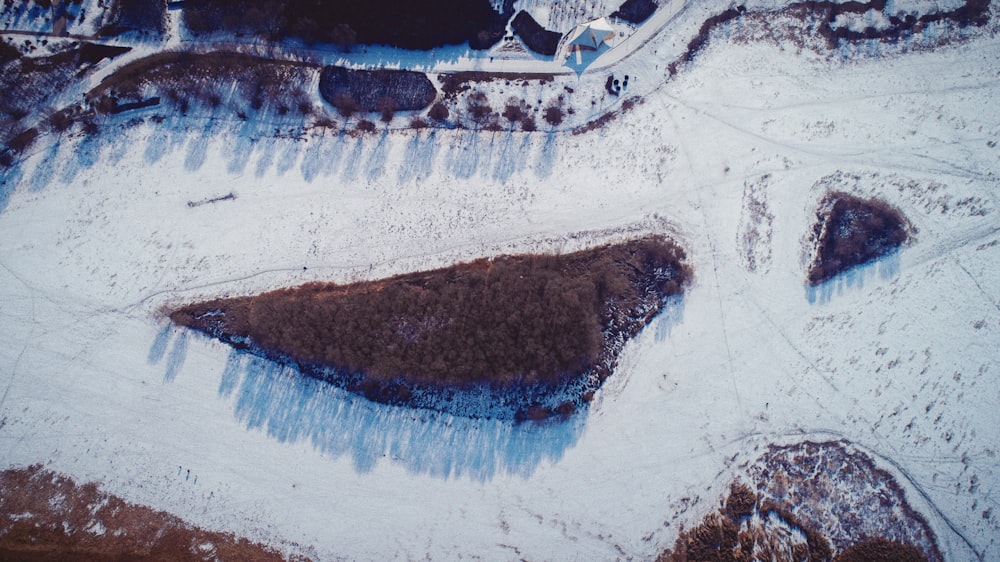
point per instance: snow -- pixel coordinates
(900, 359)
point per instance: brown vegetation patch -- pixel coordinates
(746, 530)
(826, 19)
(506, 322)
(376, 90)
(882, 550)
(46, 516)
(851, 231)
(185, 78)
(841, 493)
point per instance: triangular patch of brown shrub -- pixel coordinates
(509, 321)
(851, 231)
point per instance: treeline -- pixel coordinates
(851, 231)
(409, 25)
(507, 322)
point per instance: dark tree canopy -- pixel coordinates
(410, 25)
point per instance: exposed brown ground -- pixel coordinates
(46, 516)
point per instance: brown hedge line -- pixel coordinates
(511, 320)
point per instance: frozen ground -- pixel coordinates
(899, 358)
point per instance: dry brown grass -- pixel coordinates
(46, 516)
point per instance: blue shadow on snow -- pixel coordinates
(291, 407)
(854, 279)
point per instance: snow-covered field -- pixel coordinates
(899, 358)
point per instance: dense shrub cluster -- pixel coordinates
(385, 91)
(504, 322)
(536, 37)
(851, 231)
(208, 79)
(409, 25)
(746, 529)
(635, 11)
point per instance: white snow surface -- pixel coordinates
(900, 358)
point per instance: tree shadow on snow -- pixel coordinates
(854, 279)
(175, 359)
(418, 161)
(292, 408)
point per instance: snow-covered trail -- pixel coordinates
(900, 357)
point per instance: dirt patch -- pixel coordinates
(530, 324)
(46, 516)
(852, 231)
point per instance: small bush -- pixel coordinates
(439, 112)
(366, 126)
(345, 104)
(514, 111)
(478, 107)
(387, 108)
(553, 115)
